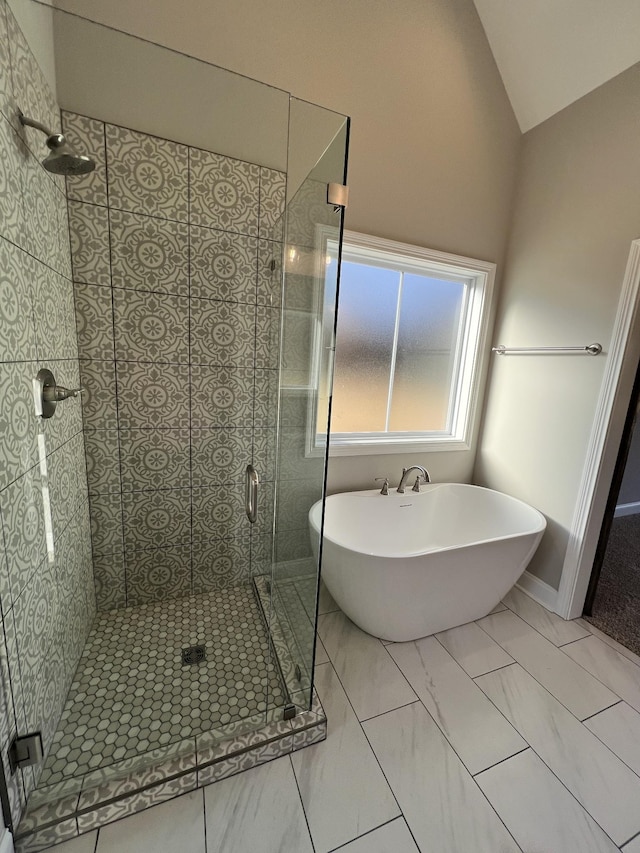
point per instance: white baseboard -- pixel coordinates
(540, 591)
(627, 509)
(6, 841)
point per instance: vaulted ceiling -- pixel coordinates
(552, 52)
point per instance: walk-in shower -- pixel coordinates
(158, 631)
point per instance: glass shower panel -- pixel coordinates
(317, 156)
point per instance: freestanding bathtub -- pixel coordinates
(406, 566)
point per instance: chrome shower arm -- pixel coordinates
(31, 122)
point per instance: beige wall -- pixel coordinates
(434, 140)
(576, 213)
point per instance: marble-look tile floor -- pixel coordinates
(132, 693)
(519, 732)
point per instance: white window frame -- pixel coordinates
(465, 403)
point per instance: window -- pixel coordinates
(411, 334)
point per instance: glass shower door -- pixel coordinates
(313, 230)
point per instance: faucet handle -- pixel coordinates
(385, 486)
(416, 485)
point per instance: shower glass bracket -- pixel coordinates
(338, 196)
(25, 751)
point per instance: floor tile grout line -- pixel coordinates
(515, 613)
(597, 736)
(389, 711)
(535, 752)
(368, 832)
(633, 837)
(592, 674)
(384, 775)
(304, 811)
(611, 644)
(446, 736)
(472, 677)
(530, 674)
(502, 761)
(608, 708)
(447, 740)
(204, 811)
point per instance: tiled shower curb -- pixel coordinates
(75, 813)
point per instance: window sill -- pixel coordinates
(379, 448)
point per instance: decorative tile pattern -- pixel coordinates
(273, 189)
(221, 456)
(54, 317)
(31, 92)
(157, 519)
(89, 232)
(223, 265)
(218, 513)
(17, 270)
(102, 453)
(106, 523)
(42, 839)
(94, 321)
(149, 253)
(222, 396)
(18, 425)
(106, 718)
(14, 154)
(86, 135)
(220, 564)
(110, 581)
(24, 534)
(40, 211)
(224, 192)
(222, 333)
(154, 459)
(244, 761)
(138, 801)
(153, 395)
(98, 380)
(6, 83)
(151, 326)
(146, 174)
(161, 573)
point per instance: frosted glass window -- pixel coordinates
(411, 323)
(428, 327)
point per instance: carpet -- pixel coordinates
(616, 608)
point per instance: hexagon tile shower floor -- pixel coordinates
(132, 691)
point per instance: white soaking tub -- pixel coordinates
(403, 566)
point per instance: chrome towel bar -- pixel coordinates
(591, 349)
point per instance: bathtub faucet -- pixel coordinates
(422, 472)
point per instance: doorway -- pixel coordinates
(612, 603)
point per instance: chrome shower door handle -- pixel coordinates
(251, 494)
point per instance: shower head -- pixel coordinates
(62, 159)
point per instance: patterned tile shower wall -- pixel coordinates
(46, 581)
(175, 255)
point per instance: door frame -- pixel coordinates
(613, 403)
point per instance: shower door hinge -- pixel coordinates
(289, 712)
(338, 196)
(25, 750)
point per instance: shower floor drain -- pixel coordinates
(193, 654)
